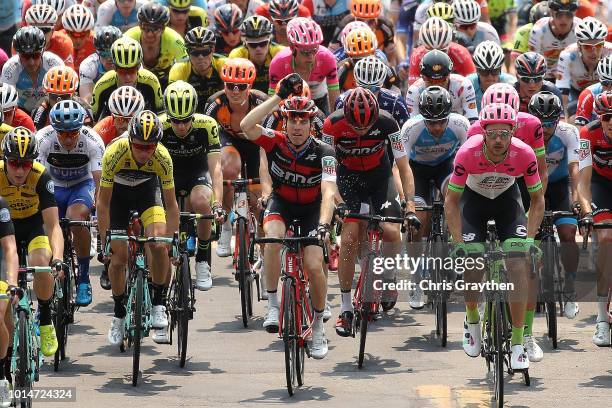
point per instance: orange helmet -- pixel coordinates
(61, 80)
(238, 71)
(361, 42)
(305, 90)
(366, 9)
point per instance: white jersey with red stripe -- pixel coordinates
(571, 71)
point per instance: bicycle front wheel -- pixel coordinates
(59, 320)
(498, 357)
(25, 364)
(184, 303)
(137, 325)
(243, 272)
(290, 335)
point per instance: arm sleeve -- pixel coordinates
(332, 74)
(395, 137)
(6, 224)
(45, 190)
(328, 166)
(275, 76)
(538, 141)
(535, 39)
(327, 132)
(469, 101)
(572, 143)
(96, 150)
(584, 110)
(563, 71)
(108, 170)
(8, 73)
(414, 72)
(400, 111)
(267, 140)
(530, 171)
(521, 39)
(585, 159)
(411, 102)
(408, 135)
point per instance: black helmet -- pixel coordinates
(538, 11)
(436, 64)
(228, 18)
(530, 64)
(29, 40)
(435, 103)
(545, 106)
(146, 127)
(21, 144)
(564, 5)
(199, 37)
(283, 9)
(255, 27)
(153, 13)
(105, 37)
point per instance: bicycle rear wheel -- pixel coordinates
(137, 325)
(440, 294)
(61, 325)
(243, 264)
(548, 284)
(302, 324)
(498, 357)
(290, 335)
(363, 317)
(184, 304)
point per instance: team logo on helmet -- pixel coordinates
(437, 67)
(148, 123)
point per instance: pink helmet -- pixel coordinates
(350, 27)
(303, 32)
(501, 93)
(495, 113)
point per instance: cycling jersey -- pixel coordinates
(584, 110)
(595, 150)
(341, 55)
(109, 15)
(205, 86)
(499, 8)
(40, 114)
(543, 41)
(561, 150)
(91, 70)
(4, 129)
(84, 51)
(425, 149)
(324, 72)
(264, 10)
(504, 77)
(297, 176)
(346, 78)
(31, 198)
(20, 118)
(68, 168)
(262, 79)
(6, 225)
(61, 45)
(484, 32)
(460, 89)
(546, 86)
(384, 30)
(29, 93)
(528, 130)
(106, 129)
(215, 4)
(571, 72)
(521, 38)
(196, 17)
(462, 61)
(327, 16)
(275, 121)
(146, 82)
(388, 101)
(421, 12)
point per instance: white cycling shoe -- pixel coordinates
(159, 320)
(116, 331)
(5, 394)
(224, 247)
(160, 336)
(534, 352)
(571, 309)
(318, 346)
(601, 337)
(203, 276)
(519, 360)
(471, 338)
(271, 323)
(416, 298)
(327, 314)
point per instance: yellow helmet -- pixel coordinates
(181, 100)
(443, 10)
(126, 52)
(179, 4)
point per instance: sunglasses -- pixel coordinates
(494, 134)
(123, 1)
(149, 28)
(308, 53)
(434, 122)
(258, 44)
(435, 81)
(468, 26)
(31, 56)
(105, 54)
(606, 82)
(74, 34)
(177, 121)
(59, 97)
(531, 80)
(596, 46)
(489, 72)
(236, 87)
(69, 134)
(549, 124)
(371, 88)
(563, 13)
(228, 32)
(17, 163)
(179, 11)
(118, 118)
(201, 53)
(281, 22)
(144, 147)
(606, 117)
(127, 71)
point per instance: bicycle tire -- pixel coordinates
(364, 315)
(498, 357)
(550, 302)
(243, 284)
(551, 317)
(24, 356)
(137, 324)
(184, 303)
(440, 297)
(301, 352)
(289, 335)
(59, 320)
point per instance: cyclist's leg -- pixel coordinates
(5, 328)
(119, 219)
(231, 165)
(200, 200)
(250, 156)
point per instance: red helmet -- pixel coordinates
(603, 103)
(298, 104)
(361, 108)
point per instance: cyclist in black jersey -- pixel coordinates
(228, 19)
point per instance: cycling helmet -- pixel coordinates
(125, 101)
(436, 65)
(604, 68)
(256, 27)
(238, 71)
(435, 103)
(61, 80)
(58, 5)
(228, 18)
(530, 64)
(283, 9)
(8, 96)
(41, 15)
(435, 34)
(360, 108)
(366, 9)
(145, 127)
(179, 4)
(153, 13)
(496, 113)
(538, 11)
(488, 55)
(360, 42)
(501, 93)
(466, 11)
(78, 18)
(105, 36)
(545, 106)
(590, 29)
(564, 5)
(603, 103)
(199, 37)
(303, 32)
(370, 71)
(298, 104)
(66, 116)
(443, 10)
(20, 144)
(126, 52)
(29, 40)
(181, 100)
(350, 27)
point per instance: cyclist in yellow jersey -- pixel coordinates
(184, 16)
(162, 47)
(29, 192)
(256, 33)
(131, 167)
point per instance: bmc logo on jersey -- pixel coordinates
(292, 177)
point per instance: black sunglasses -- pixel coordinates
(489, 72)
(531, 80)
(606, 82)
(177, 121)
(201, 53)
(234, 87)
(259, 44)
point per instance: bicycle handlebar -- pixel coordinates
(67, 222)
(241, 182)
(35, 269)
(187, 216)
(378, 218)
(301, 240)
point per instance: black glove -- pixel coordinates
(13, 291)
(323, 231)
(292, 84)
(586, 221)
(342, 210)
(56, 264)
(412, 220)
(218, 210)
(576, 207)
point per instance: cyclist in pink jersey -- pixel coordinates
(482, 188)
(308, 58)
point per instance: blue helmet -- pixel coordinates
(67, 115)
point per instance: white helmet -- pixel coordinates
(58, 5)
(126, 101)
(8, 96)
(78, 19)
(41, 15)
(604, 68)
(591, 28)
(488, 55)
(435, 33)
(370, 71)
(466, 11)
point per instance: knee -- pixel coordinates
(567, 234)
(313, 266)
(231, 167)
(391, 233)
(158, 249)
(350, 235)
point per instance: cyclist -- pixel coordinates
(530, 70)
(436, 69)
(78, 24)
(341, 54)
(308, 58)
(127, 56)
(247, 7)
(359, 133)
(595, 191)
(280, 12)
(204, 66)
(44, 17)
(95, 65)
(584, 110)
(521, 37)
(72, 154)
(13, 116)
(471, 203)
(184, 16)
(228, 19)
(311, 201)
(503, 18)
(489, 59)
(192, 139)
(256, 34)
(469, 27)
(162, 47)
(119, 13)
(28, 189)
(131, 167)
(4, 129)
(123, 103)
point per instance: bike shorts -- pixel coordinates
(558, 199)
(184, 183)
(31, 232)
(525, 197)
(422, 173)
(144, 198)
(82, 193)
(282, 210)
(248, 151)
(601, 197)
